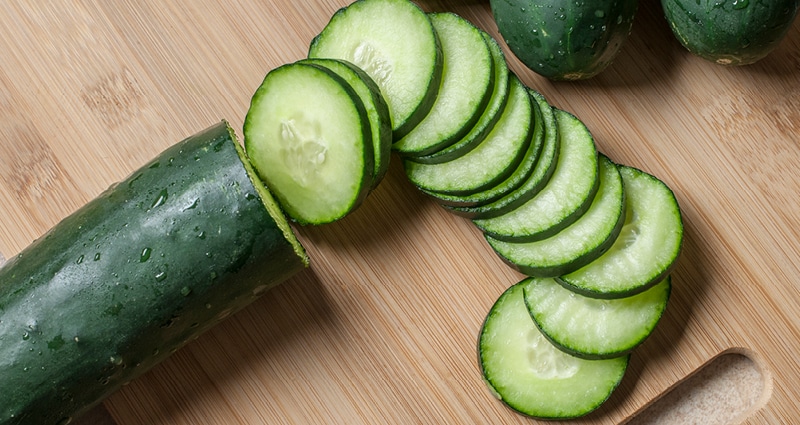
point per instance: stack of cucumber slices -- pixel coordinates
(596, 240)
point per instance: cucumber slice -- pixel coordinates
(646, 248)
(380, 123)
(307, 135)
(489, 163)
(579, 243)
(395, 43)
(490, 115)
(465, 90)
(545, 166)
(567, 195)
(530, 375)
(515, 180)
(594, 328)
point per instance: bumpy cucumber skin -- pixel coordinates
(732, 32)
(565, 40)
(130, 277)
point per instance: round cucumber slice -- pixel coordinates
(466, 87)
(530, 375)
(566, 196)
(579, 243)
(394, 42)
(645, 250)
(377, 111)
(308, 137)
(594, 328)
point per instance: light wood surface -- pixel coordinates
(382, 328)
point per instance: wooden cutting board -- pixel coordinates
(382, 328)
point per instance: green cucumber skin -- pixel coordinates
(565, 40)
(131, 276)
(732, 32)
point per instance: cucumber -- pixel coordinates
(380, 123)
(529, 374)
(645, 250)
(512, 182)
(737, 32)
(578, 244)
(492, 161)
(394, 42)
(543, 170)
(565, 197)
(565, 40)
(594, 328)
(308, 136)
(466, 87)
(488, 118)
(134, 274)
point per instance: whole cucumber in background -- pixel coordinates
(565, 39)
(134, 274)
(730, 32)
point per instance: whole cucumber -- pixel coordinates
(565, 40)
(133, 275)
(730, 32)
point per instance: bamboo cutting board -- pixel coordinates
(382, 328)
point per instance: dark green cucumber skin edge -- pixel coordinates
(733, 33)
(582, 39)
(130, 277)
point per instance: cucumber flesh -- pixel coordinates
(394, 42)
(307, 135)
(578, 244)
(488, 118)
(466, 87)
(645, 250)
(492, 161)
(565, 197)
(377, 110)
(543, 170)
(594, 328)
(530, 375)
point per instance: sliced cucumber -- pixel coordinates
(307, 135)
(530, 375)
(465, 90)
(490, 115)
(579, 243)
(594, 328)
(565, 197)
(515, 180)
(377, 111)
(489, 163)
(646, 248)
(545, 166)
(394, 42)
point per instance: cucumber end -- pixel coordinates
(268, 200)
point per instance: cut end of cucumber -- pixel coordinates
(269, 202)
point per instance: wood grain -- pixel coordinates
(382, 328)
